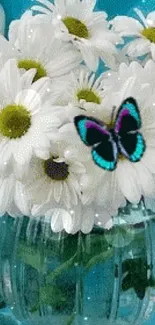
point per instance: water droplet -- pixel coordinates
(86, 318)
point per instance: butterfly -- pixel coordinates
(122, 139)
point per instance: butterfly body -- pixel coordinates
(108, 144)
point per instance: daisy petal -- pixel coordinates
(57, 219)
(67, 60)
(48, 4)
(30, 99)
(89, 56)
(14, 26)
(149, 160)
(151, 19)
(67, 222)
(5, 153)
(138, 47)
(6, 190)
(22, 153)
(57, 191)
(27, 78)
(87, 221)
(128, 181)
(126, 26)
(42, 154)
(146, 180)
(153, 50)
(21, 198)
(10, 84)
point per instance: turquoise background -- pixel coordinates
(14, 8)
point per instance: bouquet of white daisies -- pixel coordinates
(76, 146)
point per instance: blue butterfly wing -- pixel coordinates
(105, 155)
(132, 146)
(128, 117)
(128, 121)
(93, 133)
(90, 130)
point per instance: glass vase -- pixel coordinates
(105, 277)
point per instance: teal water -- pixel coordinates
(13, 10)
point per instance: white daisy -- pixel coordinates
(79, 93)
(34, 46)
(26, 121)
(124, 79)
(143, 32)
(55, 182)
(82, 94)
(88, 30)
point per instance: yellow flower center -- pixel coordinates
(76, 27)
(89, 96)
(31, 64)
(15, 121)
(149, 33)
(56, 170)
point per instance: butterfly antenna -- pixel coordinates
(113, 114)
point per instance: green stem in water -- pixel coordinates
(62, 268)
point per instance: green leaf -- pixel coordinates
(137, 276)
(127, 282)
(140, 289)
(54, 296)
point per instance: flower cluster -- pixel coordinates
(48, 79)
